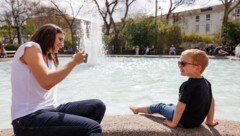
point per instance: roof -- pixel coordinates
(215, 8)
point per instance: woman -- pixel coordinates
(34, 79)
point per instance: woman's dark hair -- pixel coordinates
(45, 37)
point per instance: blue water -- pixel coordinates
(121, 82)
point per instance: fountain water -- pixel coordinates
(91, 39)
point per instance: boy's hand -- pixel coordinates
(213, 123)
(169, 123)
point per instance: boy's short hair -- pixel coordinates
(198, 57)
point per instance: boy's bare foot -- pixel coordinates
(134, 109)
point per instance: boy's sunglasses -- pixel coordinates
(183, 63)
(61, 40)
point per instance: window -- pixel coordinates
(207, 28)
(208, 17)
(197, 18)
(237, 11)
(197, 28)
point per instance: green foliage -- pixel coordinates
(168, 35)
(107, 41)
(8, 31)
(139, 32)
(30, 28)
(11, 47)
(196, 38)
(3, 32)
(67, 44)
(174, 35)
(231, 35)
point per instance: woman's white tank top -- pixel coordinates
(27, 94)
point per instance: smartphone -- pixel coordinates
(85, 58)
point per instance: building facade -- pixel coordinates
(207, 21)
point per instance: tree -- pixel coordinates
(10, 32)
(16, 12)
(29, 29)
(70, 20)
(174, 36)
(174, 4)
(229, 6)
(107, 13)
(139, 32)
(45, 15)
(232, 31)
(168, 35)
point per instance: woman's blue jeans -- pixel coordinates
(81, 118)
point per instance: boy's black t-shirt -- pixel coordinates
(196, 93)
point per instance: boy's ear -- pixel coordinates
(199, 68)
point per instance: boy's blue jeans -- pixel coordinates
(81, 118)
(167, 110)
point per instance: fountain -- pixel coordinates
(91, 39)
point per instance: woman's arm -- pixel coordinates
(47, 79)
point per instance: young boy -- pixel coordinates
(195, 101)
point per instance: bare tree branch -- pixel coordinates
(107, 13)
(174, 4)
(229, 6)
(16, 14)
(70, 20)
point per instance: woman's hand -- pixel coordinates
(78, 58)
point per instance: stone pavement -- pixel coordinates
(147, 125)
